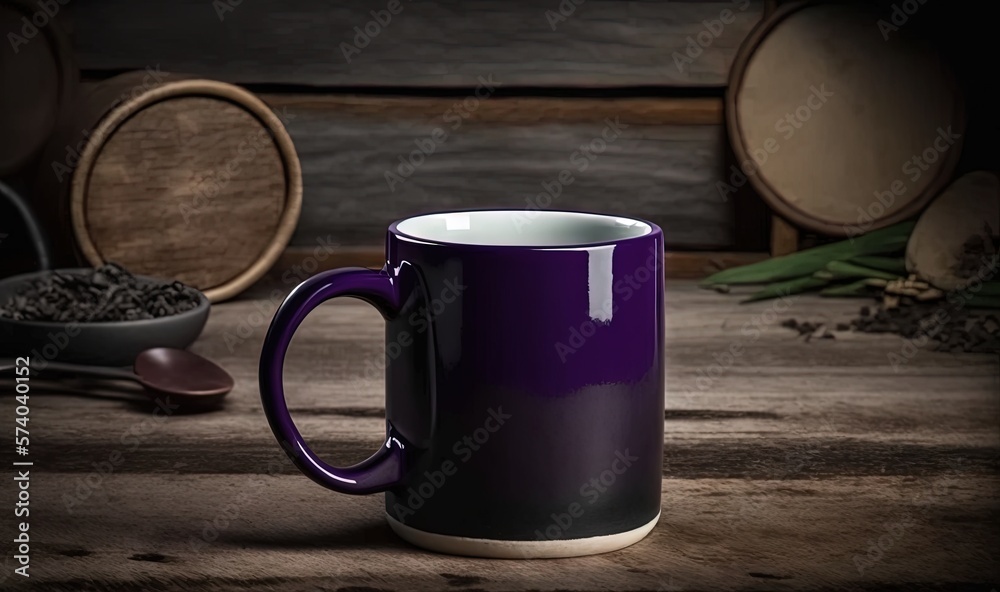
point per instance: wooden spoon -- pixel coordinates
(187, 378)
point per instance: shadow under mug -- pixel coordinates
(524, 381)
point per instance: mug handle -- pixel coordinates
(385, 468)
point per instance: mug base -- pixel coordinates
(500, 549)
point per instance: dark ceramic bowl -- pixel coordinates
(99, 343)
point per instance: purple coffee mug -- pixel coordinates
(524, 381)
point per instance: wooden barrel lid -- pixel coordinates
(843, 125)
(194, 180)
(37, 78)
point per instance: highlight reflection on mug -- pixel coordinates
(625, 289)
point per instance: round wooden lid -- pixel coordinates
(36, 77)
(841, 123)
(195, 181)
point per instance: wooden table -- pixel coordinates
(786, 467)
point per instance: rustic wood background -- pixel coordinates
(556, 86)
(662, 167)
(352, 119)
(602, 43)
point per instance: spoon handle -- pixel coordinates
(77, 369)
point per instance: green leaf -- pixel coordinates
(860, 288)
(785, 288)
(845, 270)
(886, 241)
(896, 265)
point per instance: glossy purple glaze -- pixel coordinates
(524, 386)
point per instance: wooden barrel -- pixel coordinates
(37, 80)
(174, 177)
(842, 122)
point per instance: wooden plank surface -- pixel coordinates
(284, 533)
(782, 467)
(658, 159)
(440, 43)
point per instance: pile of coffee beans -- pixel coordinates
(105, 294)
(948, 327)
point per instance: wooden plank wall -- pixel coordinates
(601, 43)
(506, 154)
(518, 87)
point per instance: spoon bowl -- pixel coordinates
(181, 374)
